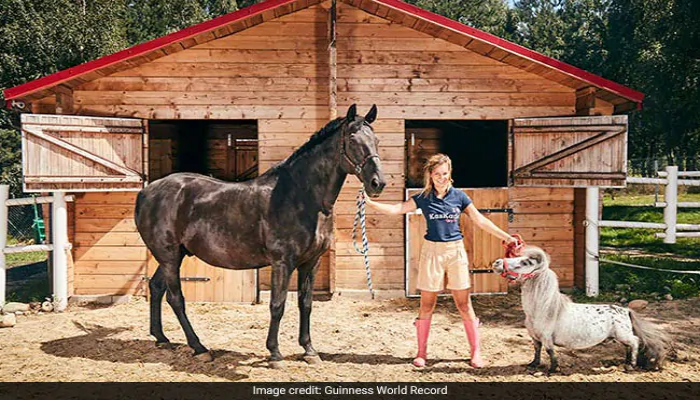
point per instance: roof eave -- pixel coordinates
(62, 76)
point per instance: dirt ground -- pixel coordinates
(359, 340)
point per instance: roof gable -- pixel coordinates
(621, 97)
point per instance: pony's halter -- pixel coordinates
(514, 276)
(357, 167)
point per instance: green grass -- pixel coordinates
(641, 247)
(644, 199)
(17, 259)
(14, 260)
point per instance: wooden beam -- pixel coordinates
(625, 107)
(64, 100)
(585, 100)
(333, 61)
(333, 114)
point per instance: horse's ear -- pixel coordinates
(372, 114)
(352, 112)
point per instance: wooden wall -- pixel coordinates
(278, 74)
(411, 75)
(109, 256)
(544, 217)
(275, 73)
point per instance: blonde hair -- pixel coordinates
(430, 165)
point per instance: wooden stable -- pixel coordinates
(232, 96)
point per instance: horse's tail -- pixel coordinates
(654, 345)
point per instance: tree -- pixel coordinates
(38, 38)
(487, 15)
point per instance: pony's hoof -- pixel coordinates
(204, 357)
(532, 366)
(313, 360)
(276, 364)
(629, 368)
(164, 345)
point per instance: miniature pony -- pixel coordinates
(551, 318)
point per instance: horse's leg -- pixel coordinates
(305, 287)
(177, 303)
(538, 352)
(553, 362)
(157, 288)
(280, 283)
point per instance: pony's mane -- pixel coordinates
(544, 289)
(316, 139)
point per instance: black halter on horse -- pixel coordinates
(283, 218)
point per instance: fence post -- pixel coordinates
(4, 196)
(671, 199)
(591, 246)
(60, 241)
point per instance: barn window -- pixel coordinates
(225, 150)
(478, 150)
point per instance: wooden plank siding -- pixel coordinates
(275, 70)
(277, 73)
(378, 64)
(544, 217)
(109, 256)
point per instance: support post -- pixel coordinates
(332, 114)
(4, 196)
(671, 200)
(592, 232)
(60, 257)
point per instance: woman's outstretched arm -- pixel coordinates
(393, 209)
(488, 226)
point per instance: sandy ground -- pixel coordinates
(359, 340)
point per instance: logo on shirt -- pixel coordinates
(446, 217)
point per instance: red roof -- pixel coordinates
(162, 42)
(511, 47)
(140, 49)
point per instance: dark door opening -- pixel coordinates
(226, 150)
(478, 149)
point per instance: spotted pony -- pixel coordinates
(551, 318)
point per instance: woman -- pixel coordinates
(443, 254)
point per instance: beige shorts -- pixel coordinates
(443, 265)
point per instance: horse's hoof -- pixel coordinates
(204, 357)
(276, 364)
(313, 360)
(629, 368)
(164, 345)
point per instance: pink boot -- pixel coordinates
(422, 331)
(472, 329)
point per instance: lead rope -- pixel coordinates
(360, 216)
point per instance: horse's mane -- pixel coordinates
(317, 138)
(544, 288)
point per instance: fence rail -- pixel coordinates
(671, 227)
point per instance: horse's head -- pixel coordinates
(532, 261)
(359, 150)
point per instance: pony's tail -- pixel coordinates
(654, 344)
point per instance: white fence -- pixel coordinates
(672, 229)
(59, 228)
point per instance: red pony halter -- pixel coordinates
(513, 250)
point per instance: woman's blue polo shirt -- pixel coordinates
(442, 215)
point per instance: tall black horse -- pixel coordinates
(282, 218)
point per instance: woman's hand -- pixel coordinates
(511, 240)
